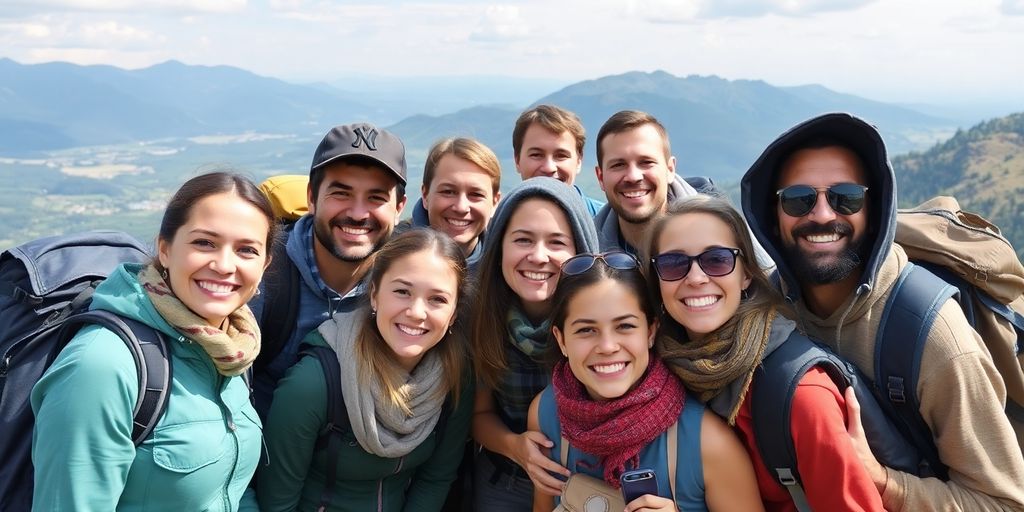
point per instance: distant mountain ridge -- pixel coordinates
(983, 167)
(55, 105)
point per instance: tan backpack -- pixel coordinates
(970, 253)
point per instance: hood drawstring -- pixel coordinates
(862, 291)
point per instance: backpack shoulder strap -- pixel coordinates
(775, 383)
(280, 306)
(152, 361)
(672, 442)
(337, 419)
(911, 309)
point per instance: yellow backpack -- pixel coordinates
(287, 195)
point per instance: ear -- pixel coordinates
(497, 197)
(373, 298)
(400, 206)
(671, 165)
(310, 203)
(746, 279)
(600, 177)
(423, 194)
(270, 257)
(560, 339)
(163, 251)
(654, 334)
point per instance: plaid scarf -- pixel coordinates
(232, 351)
(615, 431)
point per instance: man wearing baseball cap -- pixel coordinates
(356, 192)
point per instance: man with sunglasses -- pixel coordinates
(821, 199)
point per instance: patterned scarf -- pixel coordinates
(732, 352)
(529, 339)
(232, 351)
(615, 431)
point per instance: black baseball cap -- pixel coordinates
(362, 140)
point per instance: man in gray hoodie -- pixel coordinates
(637, 173)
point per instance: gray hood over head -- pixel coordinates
(582, 224)
(759, 185)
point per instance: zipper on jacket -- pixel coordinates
(229, 422)
(380, 484)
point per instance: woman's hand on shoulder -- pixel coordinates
(651, 503)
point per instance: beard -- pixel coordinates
(823, 267)
(322, 232)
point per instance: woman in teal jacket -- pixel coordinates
(212, 249)
(405, 393)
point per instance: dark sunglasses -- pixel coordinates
(614, 259)
(717, 262)
(844, 198)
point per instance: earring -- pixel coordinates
(164, 274)
(373, 313)
(744, 294)
(259, 292)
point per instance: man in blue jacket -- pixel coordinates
(356, 193)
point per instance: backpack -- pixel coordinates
(46, 286)
(338, 425)
(774, 385)
(281, 281)
(957, 255)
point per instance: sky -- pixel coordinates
(907, 51)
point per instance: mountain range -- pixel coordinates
(91, 146)
(717, 126)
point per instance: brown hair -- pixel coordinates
(628, 120)
(552, 118)
(179, 208)
(760, 293)
(469, 150)
(373, 359)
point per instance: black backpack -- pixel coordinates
(774, 385)
(46, 287)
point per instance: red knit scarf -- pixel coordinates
(615, 431)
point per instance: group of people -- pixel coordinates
(556, 333)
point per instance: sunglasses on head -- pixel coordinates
(717, 262)
(614, 259)
(844, 198)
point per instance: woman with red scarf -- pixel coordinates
(616, 404)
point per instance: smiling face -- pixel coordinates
(216, 259)
(823, 246)
(608, 348)
(546, 153)
(354, 211)
(415, 304)
(698, 302)
(460, 200)
(635, 172)
(536, 241)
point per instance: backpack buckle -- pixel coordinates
(897, 393)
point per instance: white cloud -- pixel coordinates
(687, 11)
(501, 23)
(131, 6)
(109, 33)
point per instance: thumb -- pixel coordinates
(853, 424)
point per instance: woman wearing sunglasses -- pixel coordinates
(541, 223)
(721, 319)
(619, 408)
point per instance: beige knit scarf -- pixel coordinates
(710, 365)
(232, 351)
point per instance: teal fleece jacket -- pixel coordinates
(200, 456)
(294, 479)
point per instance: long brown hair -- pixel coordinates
(374, 359)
